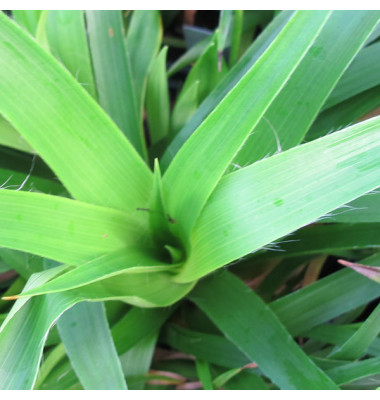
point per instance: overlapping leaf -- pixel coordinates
(272, 202)
(77, 135)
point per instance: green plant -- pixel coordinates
(228, 181)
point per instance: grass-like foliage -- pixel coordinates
(172, 217)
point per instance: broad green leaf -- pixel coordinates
(133, 289)
(142, 44)
(67, 38)
(232, 78)
(113, 75)
(249, 323)
(123, 277)
(11, 138)
(65, 230)
(138, 359)
(204, 374)
(22, 340)
(272, 202)
(284, 126)
(23, 335)
(28, 19)
(361, 75)
(87, 338)
(341, 292)
(201, 162)
(358, 343)
(84, 148)
(157, 99)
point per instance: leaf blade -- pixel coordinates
(358, 168)
(87, 338)
(203, 159)
(243, 317)
(62, 229)
(77, 124)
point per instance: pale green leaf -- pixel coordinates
(201, 162)
(291, 114)
(142, 43)
(67, 39)
(71, 133)
(265, 201)
(28, 19)
(157, 99)
(66, 230)
(257, 48)
(113, 75)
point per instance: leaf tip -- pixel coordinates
(15, 297)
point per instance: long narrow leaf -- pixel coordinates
(283, 126)
(341, 292)
(142, 43)
(361, 339)
(128, 260)
(66, 35)
(157, 99)
(198, 166)
(352, 371)
(27, 19)
(273, 202)
(65, 230)
(79, 142)
(241, 68)
(87, 338)
(137, 360)
(113, 75)
(24, 332)
(362, 75)
(250, 324)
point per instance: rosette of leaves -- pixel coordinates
(230, 179)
